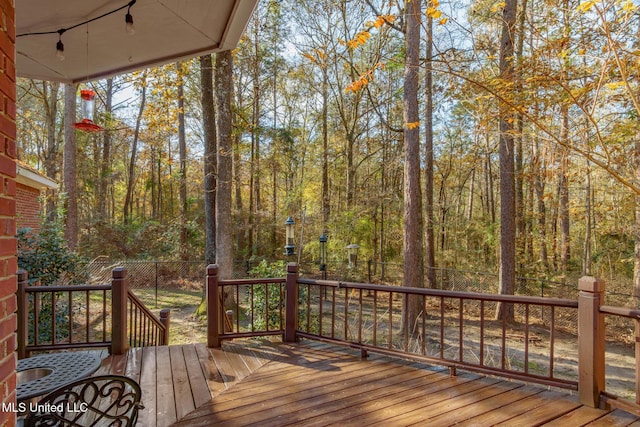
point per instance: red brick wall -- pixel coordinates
(27, 207)
(8, 245)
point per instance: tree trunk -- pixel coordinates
(412, 230)
(507, 184)
(586, 258)
(182, 143)
(428, 161)
(326, 207)
(105, 170)
(70, 167)
(128, 201)
(224, 224)
(51, 159)
(210, 157)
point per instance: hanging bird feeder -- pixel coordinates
(87, 97)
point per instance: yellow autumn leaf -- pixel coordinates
(628, 6)
(615, 85)
(435, 3)
(443, 21)
(586, 5)
(309, 57)
(413, 125)
(498, 6)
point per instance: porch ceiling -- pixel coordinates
(165, 31)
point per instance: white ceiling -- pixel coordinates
(165, 31)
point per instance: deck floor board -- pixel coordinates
(259, 382)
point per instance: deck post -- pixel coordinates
(291, 304)
(213, 307)
(165, 319)
(119, 300)
(591, 341)
(23, 315)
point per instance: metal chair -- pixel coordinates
(108, 400)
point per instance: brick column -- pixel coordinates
(8, 244)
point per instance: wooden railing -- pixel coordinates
(85, 316)
(540, 343)
(145, 329)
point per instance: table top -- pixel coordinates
(66, 368)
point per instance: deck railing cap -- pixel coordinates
(119, 273)
(591, 284)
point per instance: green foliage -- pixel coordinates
(45, 256)
(268, 299)
(45, 333)
(143, 240)
(269, 270)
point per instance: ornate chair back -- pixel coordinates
(108, 400)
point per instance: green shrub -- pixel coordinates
(268, 295)
(46, 257)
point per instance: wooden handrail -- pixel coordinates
(151, 330)
(30, 303)
(142, 337)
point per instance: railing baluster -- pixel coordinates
(442, 327)
(36, 318)
(405, 320)
(321, 290)
(461, 327)
(503, 359)
(390, 320)
(238, 308)
(346, 314)
(375, 317)
(359, 315)
(70, 318)
(526, 339)
(53, 318)
(253, 308)
(423, 333)
(104, 315)
(266, 299)
(333, 312)
(87, 317)
(552, 341)
(482, 333)
(308, 308)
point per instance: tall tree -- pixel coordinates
(428, 159)
(412, 230)
(128, 201)
(182, 142)
(507, 167)
(70, 167)
(51, 153)
(224, 225)
(210, 156)
(105, 170)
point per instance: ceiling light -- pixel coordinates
(128, 19)
(60, 47)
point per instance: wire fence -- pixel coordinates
(189, 276)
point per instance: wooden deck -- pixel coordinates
(313, 384)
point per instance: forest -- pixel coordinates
(487, 135)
